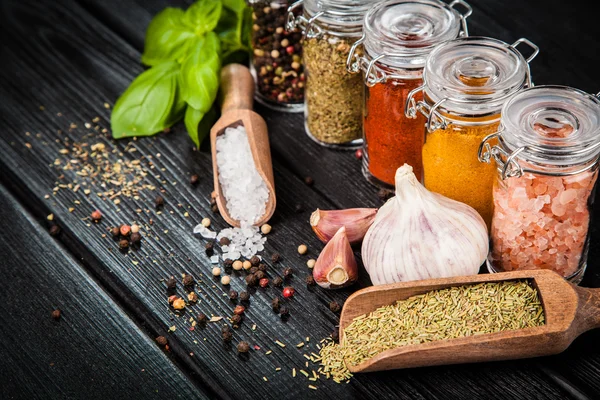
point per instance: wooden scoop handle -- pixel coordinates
(589, 308)
(237, 88)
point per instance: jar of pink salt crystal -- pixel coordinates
(546, 152)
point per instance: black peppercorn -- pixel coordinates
(54, 230)
(335, 335)
(233, 295)
(259, 275)
(202, 318)
(227, 336)
(56, 314)
(171, 283)
(262, 267)
(276, 304)
(236, 320)
(310, 281)
(209, 248)
(284, 312)
(278, 282)
(224, 241)
(161, 340)
(309, 181)
(213, 201)
(243, 347)
(288, 272)
(225, 328)
(228, 263)
(253, 270)
(115, 232)
(159, 201)
(276, 257)
(244, 296)
(135, 238)
(214, 208)
(251, 280)
(194, 179)
(188, 280)
(255, 260)
(124, 243)
(334, 306)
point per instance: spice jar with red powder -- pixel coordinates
(547, 163)
(398, 36)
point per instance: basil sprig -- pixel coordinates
(185, 51)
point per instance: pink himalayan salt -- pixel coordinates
(541, 222)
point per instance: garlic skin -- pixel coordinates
(336, 266)
(325, 223)
(419, 234)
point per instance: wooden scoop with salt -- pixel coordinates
(237, 93)
(569, 310)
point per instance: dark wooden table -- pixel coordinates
(61, 61)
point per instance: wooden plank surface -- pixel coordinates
(71, 59)
(94, 351)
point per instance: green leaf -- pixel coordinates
(199, 77)
(198, 124)
(167, 38)
(234, 27)
(203, 16)
(149, 104)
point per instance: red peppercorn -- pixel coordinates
(288, 292)
(125, 230)
(358, 154)
(264, 282)
(239, 310)
(290, 49)
(96, 215)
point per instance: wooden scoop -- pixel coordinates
(569, 311)
(237, 93)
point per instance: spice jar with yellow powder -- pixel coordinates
(466, 82)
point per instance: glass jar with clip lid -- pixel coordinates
(466, 82)
(398, 36)
(546, 156)
(333, 96)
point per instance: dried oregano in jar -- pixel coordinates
(276, 57)
(333, 96)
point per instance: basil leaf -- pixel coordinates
(234, 27)
(198, 124)
(146, 107)
(167, 38)
(203, 16)
(200, 73)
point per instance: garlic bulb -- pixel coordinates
(419, 234)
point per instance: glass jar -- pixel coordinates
(333, 97)
(547, 167)
(276, 61)
(466, 82)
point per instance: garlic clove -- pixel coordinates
(325, 223)
(336, 266)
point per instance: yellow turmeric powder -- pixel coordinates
(451, 167)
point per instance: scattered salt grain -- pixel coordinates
(205, 232)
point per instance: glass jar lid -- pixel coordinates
(348, 13)
(552, 125)
(405, 31)
(475, 75)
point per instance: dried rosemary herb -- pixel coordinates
(437, 315)
(334, 97)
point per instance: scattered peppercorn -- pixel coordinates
(172, 298)
(56, 314)
(243, 347)
(194, 179)
(171, 283)
(115, 231)
(159, 201)
(302, 249)
(233, 295)
(265, 229)
(284, 312)
(239, 309)
(54, 230)
(188, 280)
(251, 280)
(216, 271)
(237, 265)
(262, 267)
(278, 281)
(125, 230)
(228, 263)
(260, 275)
(276, 257)
(288, 273)
(161, 340)
(214, 208)
(123, 243)
(205, 222)
(179, 304)
(253, 270)
(264, 282)
(225, 328)
(288, 292)
(236, 320)
(309, 181)
(335, 335)
(244, 296)
(334, 306)
(358, 154)
(276, 304)
(255, 260)
(135, 238)
(227, 336)
(247, 265)
(225, 280)
(310, 281)
(209, 248)
(202, 318)
(192, 297)
(224, 241)
(311, 263)
(96, 216)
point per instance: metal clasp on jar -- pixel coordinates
(464, 32)
(356, 64)
(536, 50)
(306, 26)
(435, 120)
(508, 164)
